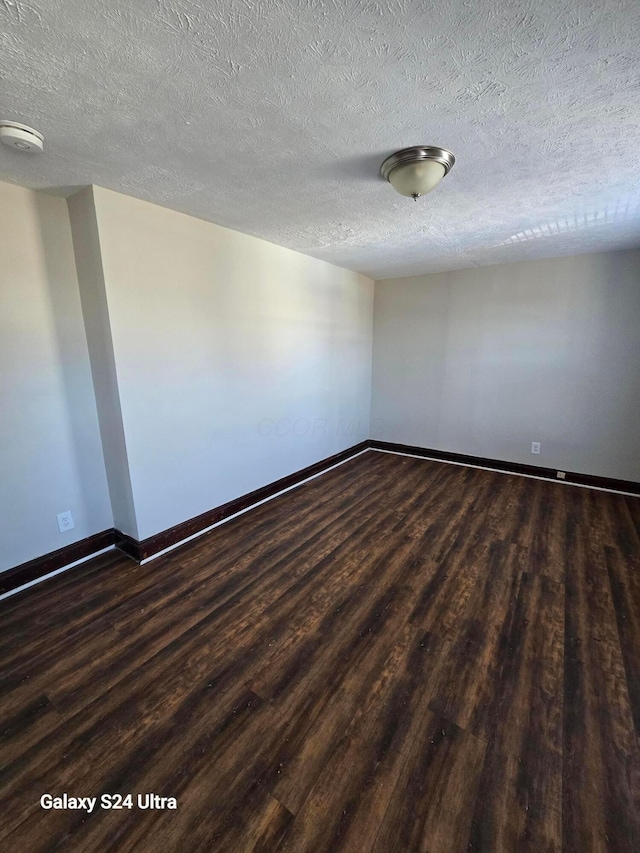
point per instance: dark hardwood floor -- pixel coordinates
(398, 656)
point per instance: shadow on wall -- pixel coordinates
(617, 332)
(66, 311)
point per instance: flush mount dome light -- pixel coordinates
(416, 171)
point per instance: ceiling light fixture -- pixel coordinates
(416, 171)
(20, 137)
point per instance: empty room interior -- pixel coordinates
(320, 426)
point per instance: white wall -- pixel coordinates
(238, 362)
(485, 361)
(50, 453)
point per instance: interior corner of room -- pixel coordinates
(157, 367)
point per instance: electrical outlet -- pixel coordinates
(65, 521)
(560, 475)
(535, 447)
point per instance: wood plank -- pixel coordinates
(321, 702)
(459, 548)
(347, 804)
(429, 809)
(601, 757)
(625, 534)
(633, 506)
(519, 800)
(624, 576)
(470, 681)
(26, 726)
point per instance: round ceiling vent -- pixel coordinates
(20, 137)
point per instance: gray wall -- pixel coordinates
(485, 361)
(238, 362)
(50, 451)
(220, 363)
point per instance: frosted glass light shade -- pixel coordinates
(418, 178)
(416, 171)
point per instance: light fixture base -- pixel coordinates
(414, 155)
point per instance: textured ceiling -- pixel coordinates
(273, 117)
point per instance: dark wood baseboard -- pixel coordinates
(40, 566)
(127, 544)
(148, 547)
(37, 568)
(34, 569)
(510, 467)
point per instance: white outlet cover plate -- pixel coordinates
(65, 521)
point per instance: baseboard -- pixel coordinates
(127, 544)
(147, 548)
(42, 566)
(35, 569)
(591, 480)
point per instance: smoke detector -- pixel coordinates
(21, 138)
